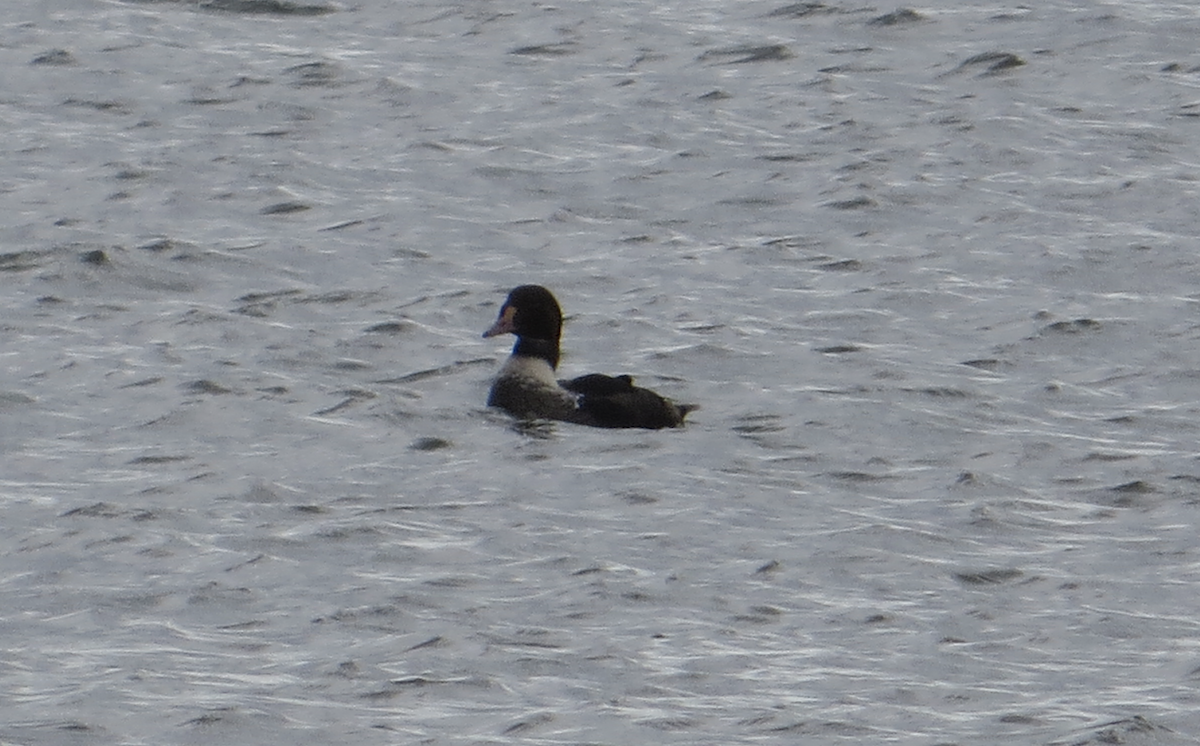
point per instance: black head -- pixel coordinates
(531, 313)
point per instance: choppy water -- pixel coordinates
(930, 274)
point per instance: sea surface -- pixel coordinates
(931, 273)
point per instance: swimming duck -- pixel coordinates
(526, 386)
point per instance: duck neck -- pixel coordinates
(546, 349)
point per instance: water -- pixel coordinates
(930, 276)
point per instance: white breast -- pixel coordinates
(533, 371)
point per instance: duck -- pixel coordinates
(527, 387)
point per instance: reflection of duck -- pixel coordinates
(526, 386)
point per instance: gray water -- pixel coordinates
(931, 275)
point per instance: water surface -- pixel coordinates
(929, 272)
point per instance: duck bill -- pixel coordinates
(504, 324)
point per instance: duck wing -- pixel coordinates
(613, 401)
(598, 384)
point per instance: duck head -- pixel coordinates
(531, 313)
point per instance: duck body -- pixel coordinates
(526, 385)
